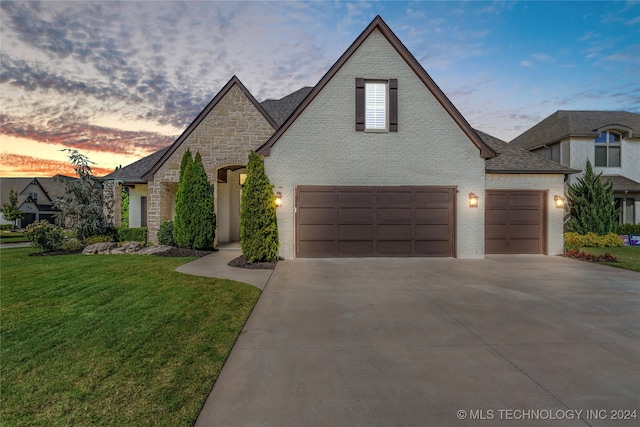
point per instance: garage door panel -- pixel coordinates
(356, 232)
(355, 215)
(515, 222)
(394, 247)
(375, 221)
(433, 216)
(355, 198)
(316, 198)
(438, 248)
(392, 198)
(392, 231)
(438, 231)
(316, 232)
(356, 248)
(315, 216)
(394, 215)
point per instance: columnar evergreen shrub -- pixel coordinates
(591, 204)
(195, 220)
(182, 220)
(258, 221)
(165, 234)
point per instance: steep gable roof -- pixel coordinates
(513, 159)
(412, 62)
(134, 172)
(567, 123)
(53, 187)
(281, 109)
(203, 114)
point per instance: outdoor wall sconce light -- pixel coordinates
(473, 200)
(558, 201)
(278, 199)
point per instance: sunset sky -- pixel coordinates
(120, 80)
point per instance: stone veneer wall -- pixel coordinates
(232, 129)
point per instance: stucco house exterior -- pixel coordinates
(609, 139)
(374, 160)
(36, 197)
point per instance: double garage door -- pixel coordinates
(375, 221)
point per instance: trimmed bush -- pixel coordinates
(98, 239)
(45, 236)
(165, 234)
(574, 241)
(132, 234)
(627, 229)
(258, 221)
(182, 220)
(6, 227)
(72, 245)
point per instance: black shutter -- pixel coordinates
(359, 105)
(393, 105)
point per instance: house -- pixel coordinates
(36, 197)
(374, 160)
(609, 139)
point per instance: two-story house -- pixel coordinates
(609, 139)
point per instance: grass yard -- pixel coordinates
(112, 339)
(628, 256)
(12, 237)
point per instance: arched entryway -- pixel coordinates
(227, 201)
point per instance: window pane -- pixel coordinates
(614, 157)
(602, 138)
(601, 156)
(375, 106)
(614, 137)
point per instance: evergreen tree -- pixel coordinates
(203, 222)
(258, 221)
(182, 220)
(10, 210)
(591, 204)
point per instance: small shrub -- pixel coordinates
(165, 234)
(98, 239)
(627, 229)
(6, 227)
(611, 240)
(45, 236)
(574, 241)
(126, 234)
(72, 245)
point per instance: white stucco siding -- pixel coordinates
(551, 183)
(135, 205)
(582, 149)
(322, 147)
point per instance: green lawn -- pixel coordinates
(12, 237)
(628, 256)
(112, 339)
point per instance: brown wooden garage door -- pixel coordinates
(515, 222)
(375, 221)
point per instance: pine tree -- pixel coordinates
(182, 220)
(203, 222)
(10, 210)
(258, 221)
(591, 204)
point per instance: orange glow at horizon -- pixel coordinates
(16, 165)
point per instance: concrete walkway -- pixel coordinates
(511, 340)
(216, 265)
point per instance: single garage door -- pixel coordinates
(515, 222)
(375, 221)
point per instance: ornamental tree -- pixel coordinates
(258, 221)
(10, 210)
(591, 204)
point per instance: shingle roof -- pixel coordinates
(281, 109)
(513, 159)
(134, 172)
(563, 124)
(621, 183)
(53, 186)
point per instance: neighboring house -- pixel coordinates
(373, 161)
(609, 139)
(35, 197)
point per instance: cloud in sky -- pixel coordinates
(66, 66)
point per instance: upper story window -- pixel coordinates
(376, 105)
(608, 149)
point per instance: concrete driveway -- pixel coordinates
(508, 340)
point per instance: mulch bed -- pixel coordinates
(56, 253)
(241, 262)
(182, 252)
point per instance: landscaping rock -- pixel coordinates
(155, 250)
(128, 248)
(99, 248)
